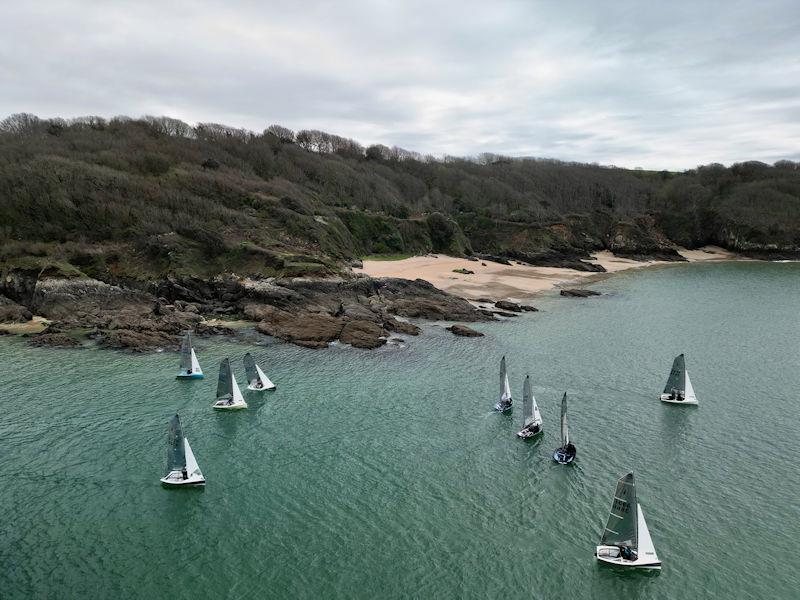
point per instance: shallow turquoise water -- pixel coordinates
(385, 473)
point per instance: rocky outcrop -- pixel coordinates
(363, 334)
(464, 331)
(54, 340)
(310, 312)
(308, 329)
(401, 327)
(508, 305)
(11, 312)
(579, 293)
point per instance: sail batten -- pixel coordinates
(622, 524)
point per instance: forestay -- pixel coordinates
(176, 456)
(621, 528)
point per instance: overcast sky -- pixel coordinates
(657, 85)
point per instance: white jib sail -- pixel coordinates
(195, 364)
(192, 468)
(237, 393)
(689, 390)
(264, 379)
(645, 543)
(537, 416)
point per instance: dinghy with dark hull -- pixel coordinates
(531, 417)
(190, 367)
(679, 388)
(567, 452)
(257, 381)
(626, 540)
(182, 468)
(504, 404)
(229, 396)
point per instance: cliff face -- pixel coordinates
(132, 229)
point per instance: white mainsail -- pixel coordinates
(564, 430)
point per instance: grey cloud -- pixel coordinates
(666, 85)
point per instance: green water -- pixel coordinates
(385, 474)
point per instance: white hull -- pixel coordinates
(500, 408)
(234, 406)
(610, 556)
(238, 400)
(646, 555)
(176, 478)
(667, 399)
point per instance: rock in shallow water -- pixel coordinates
(363, 334)
(578, 293)
(464, 331)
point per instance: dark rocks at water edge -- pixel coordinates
(507, 305)
(579, 293)
(360, 311)
(464, 331)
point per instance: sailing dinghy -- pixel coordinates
(505, 390)
(626, 540)
(257, 380)
(531, 418)
(229, 396)
(679, 388)
(182, 467)
(566, 453)
(190, 368)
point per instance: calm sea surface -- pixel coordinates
(385, 474)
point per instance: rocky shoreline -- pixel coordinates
(310, 312)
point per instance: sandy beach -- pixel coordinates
(517, 281)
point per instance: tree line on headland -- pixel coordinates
(140, 198)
